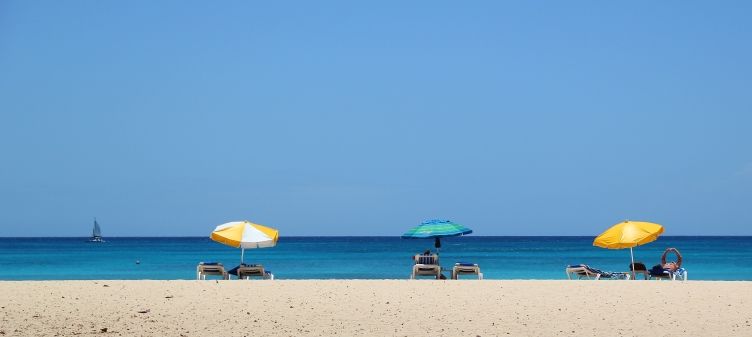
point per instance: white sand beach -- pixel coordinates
(375, 308)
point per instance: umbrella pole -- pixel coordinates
(242, 254)
(631, 254)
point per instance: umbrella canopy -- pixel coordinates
(245, 235)
(628, 234)
(436, 229)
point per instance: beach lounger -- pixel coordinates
(639, 268)
(426, 265)
(664, 274)
(463, 268)
(210, 268)
(658, 272)
(253, 270)
(584, 271)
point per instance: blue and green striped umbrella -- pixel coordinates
(436, 229)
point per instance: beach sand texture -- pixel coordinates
(375, 308)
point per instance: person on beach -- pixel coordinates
(424, 258)
(671, 266)
(427, 257)
(419, 256)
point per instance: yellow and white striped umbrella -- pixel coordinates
(245, 235)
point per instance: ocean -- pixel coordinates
(705, 258)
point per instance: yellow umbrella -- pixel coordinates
(628, 234)
(245, 235)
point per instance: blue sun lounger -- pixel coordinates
(581, 271)
(658, 273)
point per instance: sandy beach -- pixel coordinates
(375, 308)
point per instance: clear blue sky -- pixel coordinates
(355, 118)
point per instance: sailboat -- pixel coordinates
(96, 234)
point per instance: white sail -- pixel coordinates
(97, 231)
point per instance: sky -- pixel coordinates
(167, 118)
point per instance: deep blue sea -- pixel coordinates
(705, 258)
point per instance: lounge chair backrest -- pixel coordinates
(211, 267)
(204, 269)
(637, 266)
(255, 270)
(426, 259)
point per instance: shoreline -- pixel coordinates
(374, 308)
(423, 278)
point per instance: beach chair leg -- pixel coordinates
(480, 276)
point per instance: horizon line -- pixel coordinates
(352, 236)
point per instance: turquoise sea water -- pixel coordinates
(706, 258)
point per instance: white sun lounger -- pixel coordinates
(461, 268)
(205, 269)
(256, 270)
(426, 265)
(584, 271)
(679, 274)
